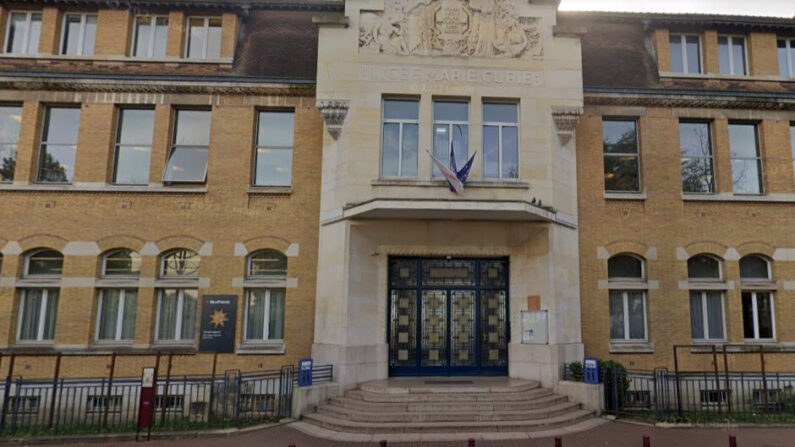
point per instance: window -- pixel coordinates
(151, 33)
(698, 172)
(133, 146)
(48, 263)
(625, 267)
(59, 145)
(627, 307)
(685, 53)
(711, 398)
(117, 306)
(99, 404)
(746, 159)
(257, 402)
(500, 140)
(706, 315)
(620, 141)
(121, 263)
(23, 404)
(755, 268)
(204, 38)
(176, 314)
(180, 263)
(79, 33)
(792, 143)
(187, 162)
(37, 312)
(22, 35)
(786, 58)
(265, 314)
(274, 163)
(400, 139)
(731, 55)
(10, 119)
(703, 267)
(267, 263)
(450, 132)
(174, 403)
(758, 317)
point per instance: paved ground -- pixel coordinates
(610, 434)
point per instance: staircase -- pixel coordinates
(453, 405)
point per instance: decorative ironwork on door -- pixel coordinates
(448, 316)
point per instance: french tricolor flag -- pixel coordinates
(454, 177)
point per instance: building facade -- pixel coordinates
(630, 185)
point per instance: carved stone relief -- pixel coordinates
(479, 28)
(333, 112)
(566, 119)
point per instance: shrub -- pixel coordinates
(576, 370)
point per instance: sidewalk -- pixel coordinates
(610, 434)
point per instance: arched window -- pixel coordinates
(180, 262)
(703, 267)
(267, 263)
(625, 266)
(44, 262)
(754, 267)
(121, 262)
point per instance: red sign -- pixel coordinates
(146, 407)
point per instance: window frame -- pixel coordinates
(119, 317)
(755, 313)
(250, 258)
(81, 34)
(172, 145)
(103, 266)
(625, 310)
(15, 144)
(500, 125)
(206, 36)
(28, 19)
(730, 41)
(117, 146)
(178, 317)
(257, 147)
(401, 122)
(759, 162)
(161, 274)
(683, 42)
(767, 262)
(152, 32)
(26, 265)
(265, 327)
(43, 144)
(705, 317)
(789, 48)
(720, 277)
(641, 278)
(624, 154)
(42, 316)
(449, 124)
(710, 140)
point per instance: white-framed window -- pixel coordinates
(621, 155)
(792, 142)
(746, 158)
(179, 263)
(116, 312)
(58, 148)
(203, 38)
(190, 148)
(685, 53)
(150, 35)
(450, 132)
(176, 314)
(266, 264)
(400, 137)
(274, 152)
(44, 263)
(38, 309)
(704, 268)
(707, 315)
(786, 58)
(755, 268)
(78, 34)
(500, 140)
(22, 33)
(264, 314)
(10, 120)
(134, 136)
(698, 167)
(759, 322)
(628, 321)
(122, 263)
(732, 56)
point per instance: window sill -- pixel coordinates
(27, 345)
(482, 183)
(114, 343)
(102, 188)
(758, 285)
(270, 190)
(167, 345)
(38, 282)
(706, 285)
(118, 58)
(106, 283)
(729, 197)
(269, 347)
(625, 195)
(719, 76)
(631, 347)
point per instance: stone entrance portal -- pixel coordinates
(448, 316)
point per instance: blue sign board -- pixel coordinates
(305, 372)
(591, 366)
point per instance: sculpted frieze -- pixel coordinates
(474, 28)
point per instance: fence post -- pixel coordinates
(728, 384)
(54, 389)
(558, 441)
(732, 441)
(764, 379)
(678, 386)
(110, 387)
(239, 383)
(470, 442)
(717, 378)
(164, 397)
(646, 441)
(7, 391)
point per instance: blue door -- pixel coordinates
(448, 316)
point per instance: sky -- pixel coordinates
(774, 8)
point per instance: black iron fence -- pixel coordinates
(182, 402)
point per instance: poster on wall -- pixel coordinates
(217, 328)
(535, 327)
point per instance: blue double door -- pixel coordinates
(448, 316)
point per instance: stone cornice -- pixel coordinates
(239, 6)
(690, 98)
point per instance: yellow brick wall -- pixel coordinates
(709, 46)
(225, 215)
(177, 21)
(663, 48)
(762, 54)
(50, 37)
(665, 221)
(114, 32)
(229, 30)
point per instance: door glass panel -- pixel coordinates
(403, 336)
(463, 320)
(494, 350)
(442, 272)
(434, 328)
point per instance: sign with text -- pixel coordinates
(146, 408)
(217, 328)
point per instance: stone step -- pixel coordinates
(450, 386)
(451, 397)
(539, 401)
(461, 415)
(344, 425)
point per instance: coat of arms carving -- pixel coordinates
(480, 28)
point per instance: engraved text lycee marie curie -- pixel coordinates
(409, 73)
